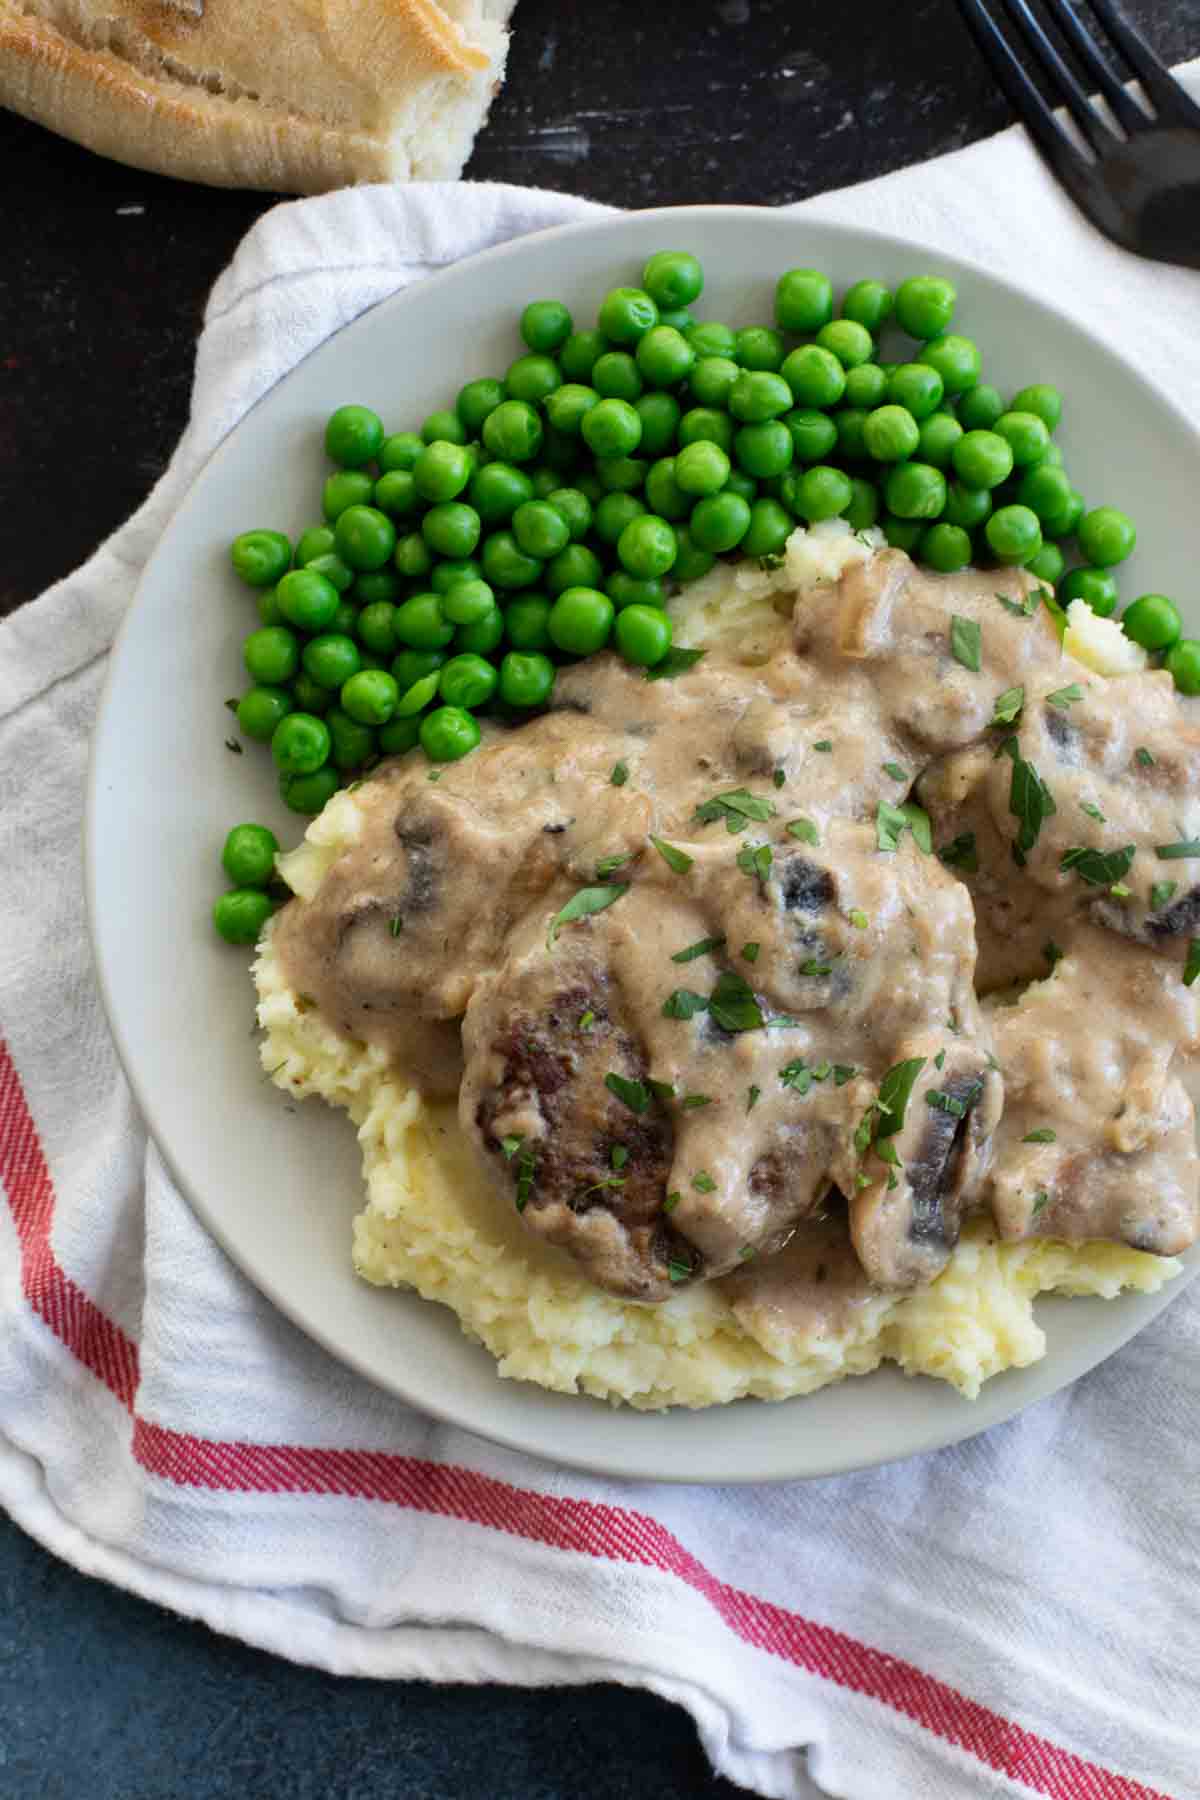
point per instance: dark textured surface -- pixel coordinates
(745, 100)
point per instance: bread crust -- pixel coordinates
(316, 95)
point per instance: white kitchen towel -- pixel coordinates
(1016, 1615)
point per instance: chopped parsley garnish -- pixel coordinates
(1008, 706)
(1023, 609)
(1029, 800)
(736, 807)
(779, 778)
(633, 1094)
(620, 774)
(675, 662)
(703, 1182)
(939, 1061)
(691, 1102)
(396, 924)
(891, 820)
(858, 918)
(684, 1004)
(701, 947)
(941, 1101)
(581, 905)
(756, 859)
(842, 1073)
(894, 1091)
(1092, 811)
(609, 864)
(966, 642)
(1146, 757)
(1119, 891)
(1043, 1135)
(435, 774)
(1041, 1201)
(825, 745)
(796, 1075)
(1191, 967)
(918, 822)
(1065, 696)
(814, 967)
(1098, 868)
(676, 859)
(770, 562)
(992, 1063)
(586, 1020)
(662, 1090)
(750, 952)
(1161, 893)
(733, 1006)
(804, 829)
(672, 1201)
(746, 1252)
(510, 1146)
(753, 1095)
(1178, 852)
(822, 1070)
(526, 1168)
(960, 853)
(618, 1156)
(679, 1270)
(232, 744)
(895, 771)
(1051, 952)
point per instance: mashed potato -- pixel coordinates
(432, 1224)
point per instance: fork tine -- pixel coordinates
(1089, 121)
(1131, 115)
(1039, 121)
(1174, 106)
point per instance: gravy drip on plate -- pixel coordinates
(814, 1085)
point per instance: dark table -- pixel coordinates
(739, 100)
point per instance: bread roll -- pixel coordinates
(293, 95)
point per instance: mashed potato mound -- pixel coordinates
(432, 1223)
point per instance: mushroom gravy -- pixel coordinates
(764, 1056)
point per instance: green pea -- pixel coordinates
(261, 557)
(711, 338)
(813, 433)
(664, 496)
(613, 514)
(526, 678)
(612, 428)
(376, 629)
(545, 326)
(621, 474)
(396, 493)
(917, 387)
(332, 659)
(769, 529)
(915, 490)
(647, 547)
(1183, 663)
(400, 451)
(448, 733)
(713, 377)
(1106, 536)
(333, 569)
(240, 914)
(317, 540)
(851, 343)
(365, 538)
(982, 459)
(938, 436)
(497, 490)
(803, 300)
(1066, 523)
(482, 637)
(525, 622)
(376, 585)
(468, 681)
(616, 376)
(532, 378)
(720, 522)
(869, 304)
(345, 620)
(307, 600)
(267, 607)
(643, 635)
(979, 409)
(309, 794)
(1025, 435)
(412, 557)
(764, 450)
(1152, 621)
(890, 434)
(398, 736)
(1046, 491)
(1095, 586)
(300, 743)
(673, 278)
(850, 429)
(451, 528)
(272, 654)
(1014, 533)
(581, 620)
(353, 435)
(624, 589)
(660, 415)
(576, 566)
(706, 424)
(946, 548)
(580, 354)
(561, 454)
(863, 510)
(476, 400)
(692, 560)
(759, 349)
(664, 356)
(966, 506)
(442, 470)
(506, 565)
(513, 433)
(925, 305)
(566, 407)
(443, 428)
(903, 534)
(309, 696)
(410, 666)
(261, 708)
(956, 359)
(447, 574)
(814, 375)
(346, 487)
(421, 624)
(1048, 564)
(1042, 400)
(1052, 457)
(248, 856)
(701, 468)
(820, 493)
(866, 385)
(626, 314)
(370, 696)
(467, 602)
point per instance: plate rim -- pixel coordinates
(1140, 1308)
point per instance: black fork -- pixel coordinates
(1139, 183)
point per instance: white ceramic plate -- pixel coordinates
(278, 1185)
